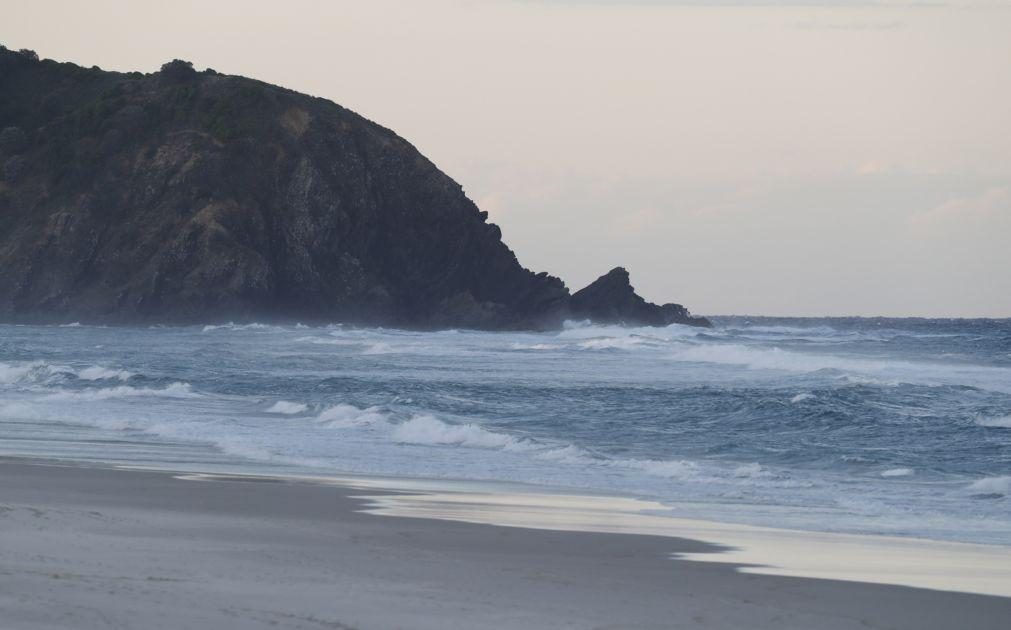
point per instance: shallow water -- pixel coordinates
(856, 425)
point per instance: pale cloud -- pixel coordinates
(990, 205)
(874, 167)
(821, 4)
(850, 25)
(633, 223)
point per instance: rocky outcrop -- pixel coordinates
(193, 196)
(611, 299)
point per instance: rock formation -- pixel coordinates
(185, 196)
(610, 299)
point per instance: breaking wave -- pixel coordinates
(240, 327)
(991, 487)
(1001, 423)
(173, 390)
(287, 408)
(428, 429)
(43, 372)
(344, 416)
(98, 373)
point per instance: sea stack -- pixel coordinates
(611, 299)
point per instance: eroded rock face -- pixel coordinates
(611, 299)
(192, 196)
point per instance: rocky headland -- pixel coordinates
(183, 196)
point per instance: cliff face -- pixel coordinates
(185, 196)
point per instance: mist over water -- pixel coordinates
(859, 425)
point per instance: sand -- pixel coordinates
(84, 547)
(903, 561)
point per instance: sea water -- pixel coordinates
(884, 426)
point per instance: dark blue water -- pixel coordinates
(863, 425)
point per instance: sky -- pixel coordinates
(739, 157)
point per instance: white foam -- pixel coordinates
(897, 472)
(1000, 423)
(113, 424)
(570, 454)
(991, 485)
(236, 327)
(671, 469)
(750, 471)
(767, 358)
(788, 330)
(327, 341)
(802, 397)
(612, 343)
(13, 373)
(870, 371)
(98, 373)
(33, 372)
(287, 408)
(40, 371)
(346, 416)
(174, 390)
(427, 429)
(586, 330)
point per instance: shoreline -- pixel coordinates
(865, 558)
(100, 545)
(942, 565)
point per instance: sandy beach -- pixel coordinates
(86, 547)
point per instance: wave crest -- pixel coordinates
(287, 408)
(346, 416)
(173, 390)
(427, 429)
(991, 486)
(998, 423)
(98, 373)
(43, 372)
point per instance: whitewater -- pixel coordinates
(883, 426)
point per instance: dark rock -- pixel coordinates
(13, 168)
(12, 140)
(182, 196)
(611, 299)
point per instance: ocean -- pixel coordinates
(884, 426)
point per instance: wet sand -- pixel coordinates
(84, 547)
